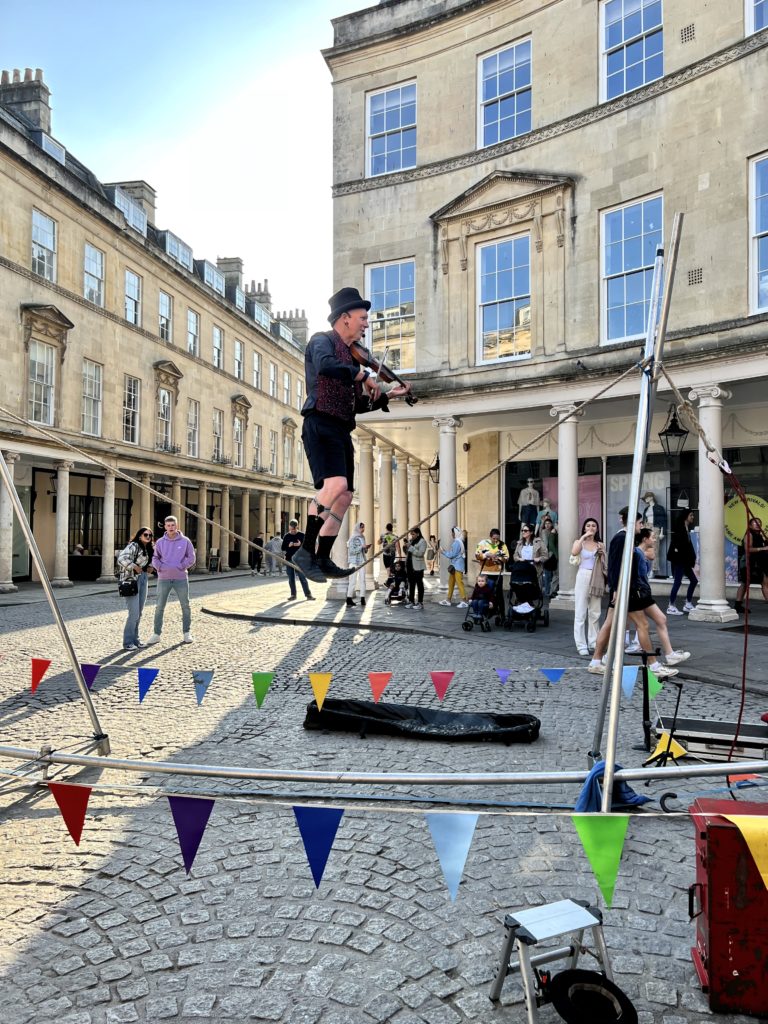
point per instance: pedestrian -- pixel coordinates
(135, 562)
(753, 548)
(274, 546)
(356, 551)
(431, 555)
(291, 543)
(415, 566)
(646, 549)
(457, 566)
(550, 578)
(337, 389)
(682, 555)
(588, 552)
(493, 553)
(530, 549)
(173, 556)
(390, 549)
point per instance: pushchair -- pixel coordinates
(494, 609)
(526, 601)
(396, 584)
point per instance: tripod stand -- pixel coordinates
(661, 759)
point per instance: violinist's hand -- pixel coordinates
(371, 386)
(400, 391)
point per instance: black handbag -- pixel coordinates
(128, 587)
(551, 563)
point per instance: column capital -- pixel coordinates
(109, 472)
(567, 409)
(365, 442)
(385, 449)
(709, 394)
(424, 471)
(68, 466)
(447, 424)
(11, 457)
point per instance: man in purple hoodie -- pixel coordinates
(174, 555)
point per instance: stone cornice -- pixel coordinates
(541, 186)
(713, 62)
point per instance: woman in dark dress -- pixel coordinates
(754, 547)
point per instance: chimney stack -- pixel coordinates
(29, 97)
(261, 294)
(298, 323)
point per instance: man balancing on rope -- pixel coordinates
(338, 388)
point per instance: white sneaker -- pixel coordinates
(633, 649)
(462, 604)
(596, 668)
(154, 639)
(419, 607)
(188, 638)
(583, 651)
(673, 610)
(688, 607)
(676, 657)
(662, 672)
(130, 647)
(445, 604)
(407, 604)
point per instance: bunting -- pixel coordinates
(378, 681)
(147, 676)
(202, 680)
(452, 836)
(190, 816)
(318, 827)
(602, 836)
(89, 674)
(754, 832)
(503, 674)
(321, 682)
(39, 667)
(261, 684)
(554, 675)
(628, 680)
(73, 803)
(441, 681)
(654, 686)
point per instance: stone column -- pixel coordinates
(7, 585)
(447, 487)
(712, 605)
(413, 494)
(176, 502)
(365, 449)
(263, 514)
(401, 523)
(60, 565)
(201, 563)
(433, 503)
(424, 499)
(386, 508)
(145, 503)
(225, 541)
(245, 521)
(338, 589)
(108, 531)
(567, 500)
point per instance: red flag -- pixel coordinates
(441, 681)
(379, 682)
(73, 803)
(39, 667)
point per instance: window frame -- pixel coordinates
(369, 269)
(47, 256)
(480, 360)
(165, 323)
(47, 387)
(754, 237)
(605, 52)
(749, 16)
(131, 412)
(257, 443)
(257, 370)
(195, 350)
(482, 104)
(92, 395)
(273, 443)
(369, 136)
(99, 290)
(218, 434)
(164, 435)
(286, 387)
(272, 380)
(238, 355)
(193, 429)
(135, 300)
(217, 350)
(604, 278)
(238, 441)
(299, 393)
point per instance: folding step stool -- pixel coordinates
(529, 927)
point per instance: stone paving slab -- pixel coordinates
(113, 930)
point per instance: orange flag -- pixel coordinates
(39, 667)
(441, 681)
(73, 803)
(378, 682)
(320, 681)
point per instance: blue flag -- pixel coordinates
(202, 681)
(503, 674)
(628, 680)
(147, 676)
(190, 816)
(318, 827)
(452, 835)
(554, 675)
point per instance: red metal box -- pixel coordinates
(729, 902)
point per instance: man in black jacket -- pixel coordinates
(337, 388)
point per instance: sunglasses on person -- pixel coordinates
(147, 534)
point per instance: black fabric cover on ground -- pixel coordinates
(586, 997)
(365, 716)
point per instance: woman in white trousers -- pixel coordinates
(356, 551)
(589, 551)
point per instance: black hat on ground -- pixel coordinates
(586, 996)
(344, 300)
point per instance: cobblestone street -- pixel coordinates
(114, 930)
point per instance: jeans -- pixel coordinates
(680, 571)
(135, 606)
(479, 607)
(292, 574)
(181, 589)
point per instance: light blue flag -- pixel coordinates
(202, 680)
(554, 675)
(452, 835)
(628, 680)
(503, 674)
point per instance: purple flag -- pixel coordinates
(147, 676)
(89, 674)
(318, 826)
(503, 674)
(190, 816)
(202, 680)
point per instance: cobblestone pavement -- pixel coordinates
(114, 931)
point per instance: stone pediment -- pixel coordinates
(241, 402)
(165, 366)
(501, 189)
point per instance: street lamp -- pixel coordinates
(673, 436)
(434, 470)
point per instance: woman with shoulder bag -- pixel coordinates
(588, 552)
(135, 562)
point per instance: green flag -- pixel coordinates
(261, 683)
(602, 836)
(654, 685)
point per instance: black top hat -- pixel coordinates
(344, 300)
(580, 996)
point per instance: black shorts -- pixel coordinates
(639, 604)
(328, 447)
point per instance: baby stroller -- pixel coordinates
(396, 583)
(495, 608)
(526, 601)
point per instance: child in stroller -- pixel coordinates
(525, 597)
(483, 604)
(396, 584)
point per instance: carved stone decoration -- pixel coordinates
(444, 249)
(167, 375)
(48, 323)
(463, 245)
(241, 407)
(560, 220)
(537, 229)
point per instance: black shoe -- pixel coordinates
(308, 565)
(362, 601)
(350, 603)
(292, 597)
(329, 569)
(739, 607)
(309, 597)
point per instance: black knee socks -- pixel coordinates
(324, 545)
(310, 534)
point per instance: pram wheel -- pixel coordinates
(530, 627)
(467, 626)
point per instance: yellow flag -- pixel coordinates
(754, 829)
(320, 683)
(675, 749)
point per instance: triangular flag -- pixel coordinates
(73, 803)
(202, 680)
(554, 675)
(675, 749)
(754, 830)
(320, 682)
(441, 681)
(147, 676)
(318, 827)
(378, 681)
(452, 835)
(503, 674)
(39, 667)
(190, 816)
(261, 683)
(628, 680)
(654, 686)
(89, 674)
(602, 836)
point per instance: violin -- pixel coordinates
(363, 357)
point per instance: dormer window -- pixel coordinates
(177, 249)
(50, 146)
(130, 209)
(212, 277)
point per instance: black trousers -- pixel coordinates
(416, 585)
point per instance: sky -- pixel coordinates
(224, 108)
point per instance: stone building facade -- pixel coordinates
(161, 366)
(504, 171)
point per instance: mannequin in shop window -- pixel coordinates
(655, 518)
(528, 504)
